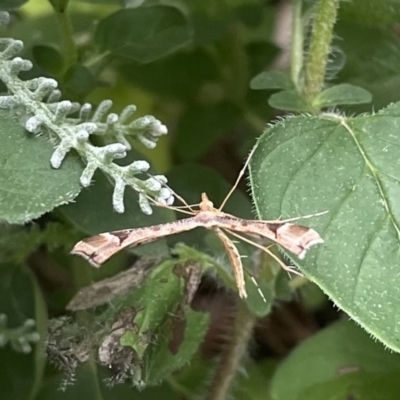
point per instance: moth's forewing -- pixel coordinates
(297, 238)
(99, 248)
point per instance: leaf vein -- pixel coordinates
(364, 255)
(374, 173)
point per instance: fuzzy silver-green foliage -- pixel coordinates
(37, 104)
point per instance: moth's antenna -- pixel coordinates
(281, 221)
(174, 208)
(241, 173)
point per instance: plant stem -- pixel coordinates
(229, 362)
(296, 50)
(66, 33)
(321, 37)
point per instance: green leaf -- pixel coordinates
(44, 28)
(20, 299)
(143, 34)
(288, 100)
(350, 365)
(186, 71)
(79, 82)
(208, 29)
(349, 167)
(167, 332)
(202, 126)
(161, 361)
(271, 80)
(48, 58)
(359, 385)
(29, 186)
(342, 94)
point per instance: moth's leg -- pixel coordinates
(253, 279)
(287, 268)
(236, 261)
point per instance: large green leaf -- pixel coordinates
(29, 187)
(143, 34)
(349, 167)
(351, 365)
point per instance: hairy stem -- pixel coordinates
(296, 63)
(321, 37)
(229, 362)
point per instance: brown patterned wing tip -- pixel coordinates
(297, 238)
(98, 249)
